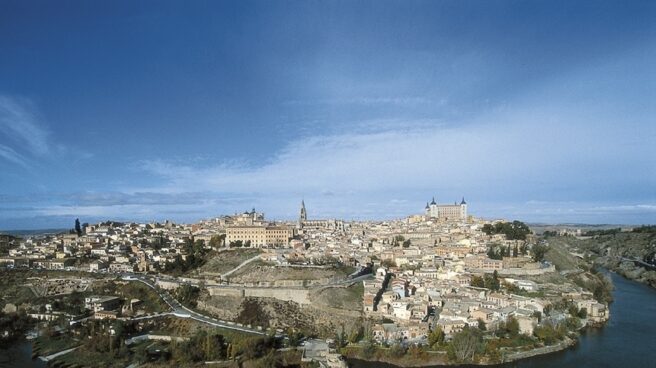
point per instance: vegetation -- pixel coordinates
(195, 256)
(600, 286)
(226, 260)
(202, 346)
(217, 241)
(51, 342)
(188, 295)
(78, 228)
(549, 333)
(650, 229)
(515, 230)
(465, 344)
(498, 251)
(13, 326)
(538, 252)
(602, 232)
(436, 337)
(489, 281)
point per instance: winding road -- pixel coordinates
(181, 311)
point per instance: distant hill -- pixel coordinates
(540, 228)
(33, 232)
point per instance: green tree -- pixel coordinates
(512, 327)
(477, 281)
(368, 350)
(436, 337)
(78, 228)
(539, 251)
(481, 325)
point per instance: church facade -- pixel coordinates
(452, 212)
(304, 223)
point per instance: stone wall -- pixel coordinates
(226, 291)
(526, 272)
(539, 351)
(300, 296)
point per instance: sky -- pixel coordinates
(542, 111)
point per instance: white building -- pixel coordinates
(453, 212)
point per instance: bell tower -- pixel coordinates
(303, 216)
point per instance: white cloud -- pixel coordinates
(19, 122)
(12, 156)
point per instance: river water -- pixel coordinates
(19, 355)
(628, 340)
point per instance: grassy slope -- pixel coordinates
(227, 260)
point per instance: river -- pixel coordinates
(19, 355)
(628, 340)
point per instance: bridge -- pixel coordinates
(639, 262)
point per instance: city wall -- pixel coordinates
(300, 296)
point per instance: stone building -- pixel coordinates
(452, 212)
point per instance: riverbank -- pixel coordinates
(440, 359)
(627, 339)
(19, 354)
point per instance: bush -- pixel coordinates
(368, 350)
(397, 350)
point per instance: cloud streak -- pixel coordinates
(19, 123)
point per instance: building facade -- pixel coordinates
(453, 212)
(259, 236)
(330, 224)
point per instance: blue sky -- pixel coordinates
(538, 110)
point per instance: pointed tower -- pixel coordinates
(303, 216)
(434, 212)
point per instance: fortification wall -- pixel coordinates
(300, 296)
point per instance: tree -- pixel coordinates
(217, 240)
(340, 337)
(406, 243)
(464, 344)
(516, 230)
(539, 251)
(368, 350)
(512, 326)
(477, 281)
(397, 350)
(78, 228)
(357, 333)
(481, 325)
(387, 263)
(436, 337)
(188, 294)
(515, 251)
(492, 282)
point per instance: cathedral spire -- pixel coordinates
(303, 215)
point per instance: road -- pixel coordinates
(257, 257)
(181, 311)
(53, 356)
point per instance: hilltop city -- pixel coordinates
(408, 290)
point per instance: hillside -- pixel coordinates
(615, 252)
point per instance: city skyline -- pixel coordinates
(542, 113)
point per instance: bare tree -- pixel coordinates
(465, 344)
